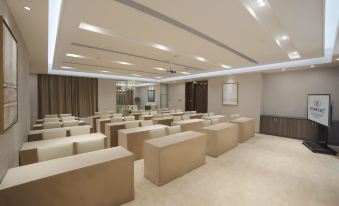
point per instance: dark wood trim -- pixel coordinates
(1, 76)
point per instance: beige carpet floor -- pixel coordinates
(265, 170)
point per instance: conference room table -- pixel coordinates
(189, 124)
(111, 131)
(40, 126)
(28, 150)
(177, 113)
(40, 121)
(133, 139)
(196, 116)
(221, 118)
(136, 115)
(146, 117)
(36, 135)
(163, 120)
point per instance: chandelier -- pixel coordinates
(123, 86)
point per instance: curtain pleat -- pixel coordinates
(62, 94)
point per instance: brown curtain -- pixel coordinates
(63, 94)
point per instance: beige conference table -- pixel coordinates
(163, 120)
(221, 118)
(111, 131)
(36, 135)
(196, 116)
(133, 139)
(28, 150)
(40, 126)
(189, 124)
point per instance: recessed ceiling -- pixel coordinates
(191, 37)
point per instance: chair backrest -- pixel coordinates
(177, 118)
(89, 145)
(153, 112)
(156, 133)
(129, 125)
(146, 123)
(89, 120)
(178, 110)
(71, 123)
(80, 130)
(105, 116)
(215, 121)
(234, 116)
(158, 115)
(65, 115)
(117, 115)
(54, 151)
(187, 113)
(193, 112)
(129, 118)
(205, 115)
(207, 122)
(173, 130)
(185, 117)
(51, 115)
(116, 119)
(144, 113)
(68, 118)
(211, 113)
(54, 133)
(172, 110)
(51, 119)
(49, 125)
(166, 115)
(110, 112)
(98, 113)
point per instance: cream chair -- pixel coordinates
(49, 125)
(156, 133)
(80, 130)
(89, 146)
(215, 121)
(65, 115)
(51, 119)
(172, 110)
(116, 119)
(185, 117)
(207, 122)
(117, 115)
(173, 130)
(205, 115)
(98, 113)
(144, 113)
(53, 133)
(177, 118)
(54, 151)
(68, 118)
(193, 112)
(178, 110)
(153, 112)
(129, 125)
(187, 113)
(129, 118)
(51, 115)
(211, 114)
(234, 116)
(146, 123)
(105, 116)
(158, 116)
(166, 115)
(71, 123)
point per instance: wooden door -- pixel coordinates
(201, 96)
(189, 96)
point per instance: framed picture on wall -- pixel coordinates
(151, 95)
(230, 94)
(8, 77)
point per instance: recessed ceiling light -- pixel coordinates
(137, 75)
(104, 71)
(225, 66)
(158, 68)
(96, 29)
(294, 55)
(158, 77)
(337, 59)
(284, 69)
(64, 67)
(185, 73)
(123, 63)
(312, 66)
(261, 3)
(27, 8)
(200, 59)
(284, 37)
(75, 56)
(161, 47)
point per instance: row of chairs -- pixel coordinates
(62, 132)
(56, 115)
(107, 116)
(53, 122)
(102, 113)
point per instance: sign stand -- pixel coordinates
(321, 147)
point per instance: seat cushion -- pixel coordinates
(53, 133)
(89, 145)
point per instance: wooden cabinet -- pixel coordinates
(296, 128)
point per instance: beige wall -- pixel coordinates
(176, 96)
(249, 96)
(12, 139)
(142, 93)
(106, 95)
(33, 97)
(285, 93)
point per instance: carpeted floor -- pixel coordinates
(265, 170)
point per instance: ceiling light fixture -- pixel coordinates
(312, 66)
(64, 67)
(337, 59)
(75, 56)
(261, 3)
(123, 63)
(284, 37)
(27, 8)
(202, 59)
(161, 47)
(294, 55)
(137, 75)
(225, 66)
(185, 73)
(158, 77)
(158, 68)
(96, 29)
(284, 69)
